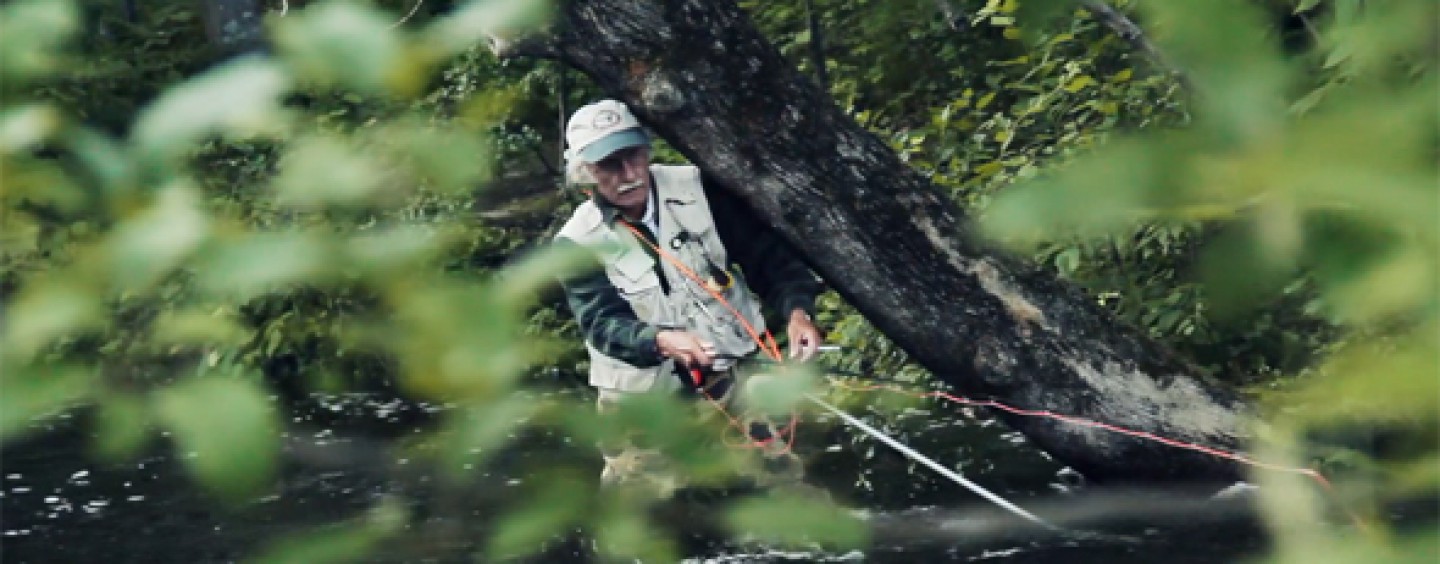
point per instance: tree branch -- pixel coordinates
(817, 45)
(409, 14)
(1128, 30)
(541, 46)
(953, 18)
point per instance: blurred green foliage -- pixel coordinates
(1266, 205)
(310, 217)
(187, 232)
(195, 239)
(997, 99)
(1314, 172)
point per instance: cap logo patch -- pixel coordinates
(605, 118)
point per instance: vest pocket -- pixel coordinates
(611, 374)
(633, 275)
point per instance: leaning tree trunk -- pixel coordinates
(700, 74)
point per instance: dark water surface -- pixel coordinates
(61, 506)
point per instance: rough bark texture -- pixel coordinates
(701, 75)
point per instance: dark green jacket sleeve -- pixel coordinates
(771, 266)
(606, 320)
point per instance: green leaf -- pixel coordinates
(985, 100)
(448, 160)
(796, 521)
(148, 246)
(240, 98)
(347, 44)
(336, 543)
(198, 327)
(1079, 83)
(122, 426)
(479, 21)
(1068, 260)
(477, 432)
(663, 422)
(1419, 476)
(1397, 285)
(262, 262)
(556, 501)
(658, 418)
(779, 389)
(23, 128)
(101, 156)
(324, 171)
(623, 533)
(1394, 381)
(1036, 16)
(1230, 57)
(46, 310)
(35, 391)
(31, 34)
(1239, 274)
(1366, 40)
(1106, 191)
(989, 169)
(1341, 53)
(225, 430)
(345, 542)
(397, 251)
(45, 184)
(539, 269)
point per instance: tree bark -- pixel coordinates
(1132, 34)
(700, 75)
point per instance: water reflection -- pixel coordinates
(59, 505)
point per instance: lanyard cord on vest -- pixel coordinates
(767, 343)
(644, 233)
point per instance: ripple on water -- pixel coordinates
(849, 465)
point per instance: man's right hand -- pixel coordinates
(686, 348)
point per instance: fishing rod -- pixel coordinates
(773, 352)
(915, 455)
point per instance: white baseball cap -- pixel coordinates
(599, 129)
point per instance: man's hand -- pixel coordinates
(686, 348)
(804, 337)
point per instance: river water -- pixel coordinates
(61, 506)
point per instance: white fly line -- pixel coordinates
(927, 461)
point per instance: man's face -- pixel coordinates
(623, 177)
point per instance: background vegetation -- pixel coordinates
(199, 234)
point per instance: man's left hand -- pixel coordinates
(804, 337)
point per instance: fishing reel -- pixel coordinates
(707, 381)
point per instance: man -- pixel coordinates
(651, 324)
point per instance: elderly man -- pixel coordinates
(649, 314)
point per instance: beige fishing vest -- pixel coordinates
(687, 232)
